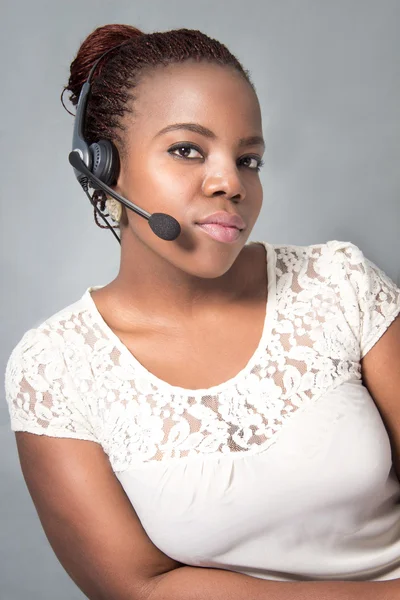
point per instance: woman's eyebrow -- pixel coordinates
(197, 128)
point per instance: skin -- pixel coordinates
(161, 283)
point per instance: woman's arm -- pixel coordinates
(198, 583)
(88, 519)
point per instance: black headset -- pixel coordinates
(97, 166)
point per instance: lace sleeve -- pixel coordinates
(40, 392)
(378, 296)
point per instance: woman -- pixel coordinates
(218, 403)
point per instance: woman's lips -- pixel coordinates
(225, 218)
(221, 233)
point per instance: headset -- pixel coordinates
(97, 166)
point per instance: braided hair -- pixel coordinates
(115, 78)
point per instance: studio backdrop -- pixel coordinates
(328, 78)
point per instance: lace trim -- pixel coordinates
(69, 378)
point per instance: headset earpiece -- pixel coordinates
(105, 162)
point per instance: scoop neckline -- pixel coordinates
(270, 308)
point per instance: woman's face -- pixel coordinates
(190, 173)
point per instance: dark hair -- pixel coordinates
(115, 77)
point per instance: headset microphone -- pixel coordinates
(98, 166)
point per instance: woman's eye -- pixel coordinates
(252, 162)
(184, 151)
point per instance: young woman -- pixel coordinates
(222, 419)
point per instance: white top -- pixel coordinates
(284, 472)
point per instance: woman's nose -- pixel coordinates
(227, 182)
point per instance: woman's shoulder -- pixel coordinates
(52, 332)
(321, 257)
(41, 386)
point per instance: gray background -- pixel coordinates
(328, 78)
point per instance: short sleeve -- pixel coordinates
(40, 391)
(377, 295)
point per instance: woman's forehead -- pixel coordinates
(196, 92)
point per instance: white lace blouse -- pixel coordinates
(284, 472)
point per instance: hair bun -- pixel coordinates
(99, 41)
